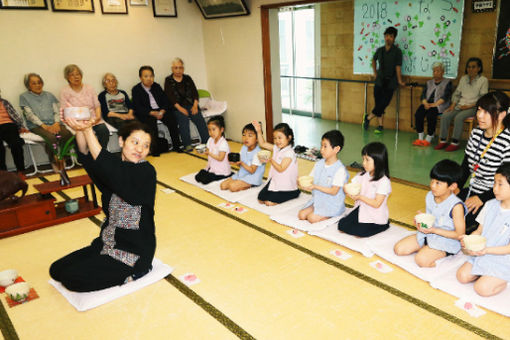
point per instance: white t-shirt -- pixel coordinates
(481, 215)
(338, 179)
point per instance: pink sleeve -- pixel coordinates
(91, 92)
(64, 98)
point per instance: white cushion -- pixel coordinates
(89, 300)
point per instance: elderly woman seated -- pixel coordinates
(11, 124)
(116, 107)
(77, 94)
(183, 97)
(435, 98)
(41, 111)
(471, 87)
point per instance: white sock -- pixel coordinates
(453, 143)
(420, 135)
(429, 138)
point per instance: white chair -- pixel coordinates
(209, 106)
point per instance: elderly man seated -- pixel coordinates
(435, 98)
(11, 124)
(41, 110)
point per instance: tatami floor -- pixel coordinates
(256, 281)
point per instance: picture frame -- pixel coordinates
(114, 6)
(164, 8)
(23, 4)
(212, 9)
(139, 2)
(481, 6)
(72, 6)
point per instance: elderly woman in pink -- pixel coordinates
(79, 94)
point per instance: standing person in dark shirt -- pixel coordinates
(387, 77)
(125, 248)
(183, 96)
(151, 105)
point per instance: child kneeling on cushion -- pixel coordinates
(490, 267)
(329, 176)
(441, 239)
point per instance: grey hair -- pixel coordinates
(106, 75)
(71, 68)
(438, 64)
(177, 60)
(26, 79)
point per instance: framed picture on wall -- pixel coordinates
(23, 4)
(72, 5)
(212, 9)
(164, 8)
(114, 6)
(139, 2)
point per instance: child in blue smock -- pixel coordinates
(329, 176)
(442, 239)
(251, 169)
(490, 267)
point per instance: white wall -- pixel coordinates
(45, 41)
(233, 49)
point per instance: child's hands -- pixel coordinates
(206, 152)
(424, 230)
(354, 197)
(308, 188)
(236, 163)
(256, 125)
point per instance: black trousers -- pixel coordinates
(117, 122)
(382, 96)
(431, 115)
(206, 177)
(350, 225)
(277, 196)
(471, 224)
(9, 133)
(85, 270)
(171, 123)
(102, 134)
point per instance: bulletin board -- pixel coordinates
(501, 62)
(428, 31)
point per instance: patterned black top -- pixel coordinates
(498, 153)
(128, 195)
(184, 92)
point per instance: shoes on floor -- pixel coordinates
(378, 130)
(417, 142)
(425, 142)
(441, 145)
(366, 121)
(188, 148)
(452, 147)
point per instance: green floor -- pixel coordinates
(407, 162)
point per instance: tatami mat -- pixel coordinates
(255, 279)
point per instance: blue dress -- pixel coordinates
(326, 204)
(443, 214)
(496, 229)
(247, 158)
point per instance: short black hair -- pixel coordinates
(219, 121)
(335, 138)
(250, 127)
(391, 30)
(128, 128)
(504, 170)
(378, 152)
(478, 62)
(286, 130)
(447, 171)
(145, 68)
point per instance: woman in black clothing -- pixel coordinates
(183, 96)
(151, 104)
(125, 247)
(488, 147)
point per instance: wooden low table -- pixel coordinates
(40, 210)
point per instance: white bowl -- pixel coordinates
(353, 189)
(78, 113)
(200, 148)
(264, 155)
(7, 277)
(425, 220)
(305, 181)
(18, 292)
(474, 242)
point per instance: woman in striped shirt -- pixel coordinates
(488, 147)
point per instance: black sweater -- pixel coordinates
(128, 195)
(184, 92)
(142, 103)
